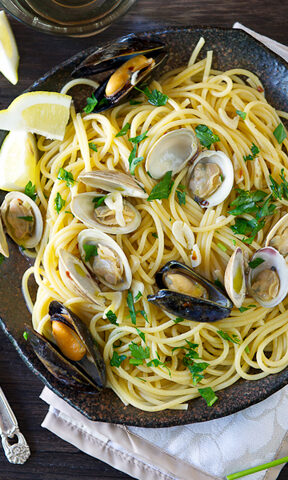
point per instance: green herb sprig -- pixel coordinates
(280, 133)
(59, 203)
(92, 102)
(90, 251)
(206, 136)
(117, 359)
(254, 150)
(163, 188)
(66, 176)
(30, 190)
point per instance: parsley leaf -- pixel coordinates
(25, 335)
(59, 203)
(131, 307)
(2, 258)
(219, 284)
(133, 160)
(209, 395)
(141, 334)
(139, 295)
(27, 218)
(112, 317)
(154, 235)
(92, 146)
(66, 176)
(139, 354)
(181, 197)
(206, 136)
(178, 320)
(117, 359)
(222, 247)
(226, 336)
(163, 188)
(254, 150)
(196, 369)
(135, 102)
(279, 133)
(241, 114)
(30, 190)
(279, 190)
(155, 97)
(91, 104)
(139, 138)
(244, 309)
(256, 262)
(90, 251)
(98, 201)
(123, 130)
(249, 228)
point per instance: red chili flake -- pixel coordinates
(194, 256)
(260, 89)
(240, 172)
(68, 275)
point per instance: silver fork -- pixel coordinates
(18, 452)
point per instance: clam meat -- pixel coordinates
(128, 63)
(112, 216)
(234, 278)
(105, 259)
(185, 293)
(278, 237)
(171, 152)
(211, 178)
(111, 181)
(22, 219)
(71, 356)
(268, 281)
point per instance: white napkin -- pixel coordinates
(204, 451)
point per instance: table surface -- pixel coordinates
(52, 458)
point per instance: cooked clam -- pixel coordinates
(113, 215)
(111, 181)
(268, 281)
(75, 275)
(3, 242)
(211, 178)
(171, 152)
(73, 358)
(132, 62)
(105, 259)
(185, 293)
(22, 219)
(234, 278)
(278, 236)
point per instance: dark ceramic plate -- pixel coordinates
(232, 49)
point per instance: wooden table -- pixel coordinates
(53, 459)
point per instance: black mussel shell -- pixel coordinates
(64, 370)
(217, 307)
(111, 57)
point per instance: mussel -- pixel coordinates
(185, 293)
(128, 63)
(74, 358)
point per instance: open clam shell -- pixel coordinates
(75, 275)
(3, 241)
(22, 219)
(209, 188)
(83, 207)
(209, 305)
(129, 63)
(268, 281)
(171, 152)
(112, 180)
(110, 265)
(278, 237)
(234, 278)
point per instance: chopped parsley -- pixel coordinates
(218, 283)
(91, 103)
(25, 335)
(255, 263)
(226, 336)
(117, 359)
(178, 320)
(123, 130)
(209, 395)
(222, 247)
(206, 136)
(66, 176)
(163, 188)
(30, 190)
(2, 258)
(244, 309)
(59, 203)
(131, 307)
(155, 97)
(196, 368)
(133, 160)
(70, 213)
(181, 195)
(139, 138)
(154, 235)
(93, 146)
(112, 317)
(254, 150)
(241, 114)
(138, 353)
(279, 190)
(90, 251)
(247, 349)
(135, 102)
(139, 295)
(98, 201)
(144, 314)
(141, 335)
(27, 218)
(279, 133)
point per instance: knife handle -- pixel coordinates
(18, 452)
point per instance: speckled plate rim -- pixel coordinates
(128, 415)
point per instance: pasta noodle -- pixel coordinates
(197, 94)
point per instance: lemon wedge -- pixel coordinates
(9, 57)
(18, 157)
(45, 113)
